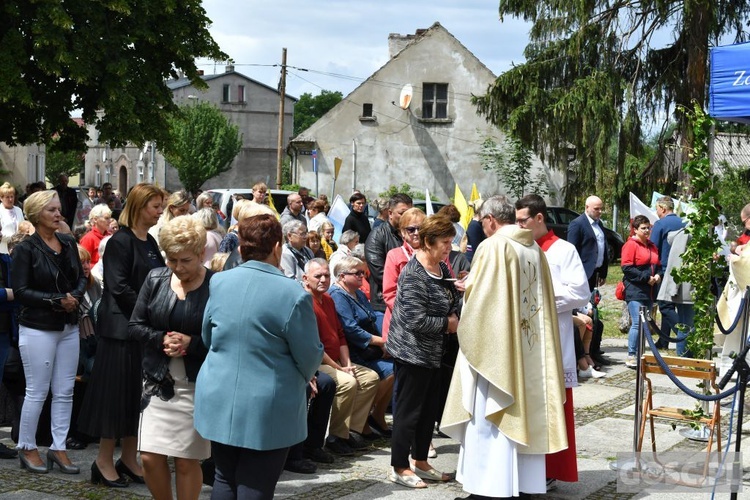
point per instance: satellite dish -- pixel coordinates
(405, 99)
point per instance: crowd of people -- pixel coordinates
(270, 346)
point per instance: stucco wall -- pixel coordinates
(399, 147)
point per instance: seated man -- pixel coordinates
(355, 385)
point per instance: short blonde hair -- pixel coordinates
(100, 210)
(345, 264)
(260, 186)
(181, 234)
(208, 218)
(238, 206)
(137, 200)
(36, 202)
(251, 209)
(7, 188)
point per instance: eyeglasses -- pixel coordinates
(359, 274)
(412, 229)
(523, 220)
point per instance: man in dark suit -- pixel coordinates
(586, 233)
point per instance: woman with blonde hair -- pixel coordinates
(167, 321)
(10, 215)
(112, 403)
(100, 216)
(231, 240)
(207, 218)
(178, 204)
(48, 282)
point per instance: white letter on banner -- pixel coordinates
(739, 81)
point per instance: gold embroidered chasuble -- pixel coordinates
(508, 335)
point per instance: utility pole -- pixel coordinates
(282, 98)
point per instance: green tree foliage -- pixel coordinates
(309, 108)
(733, 188)
(59, 161)
(108, 56)
(406, 188)
(202, 144)
(698, 265)
(596, 70)
(511, 162)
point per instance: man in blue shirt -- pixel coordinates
(668, 222)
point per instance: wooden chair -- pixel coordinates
(684, 368)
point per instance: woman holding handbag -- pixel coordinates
(640, 269)
(49, 284)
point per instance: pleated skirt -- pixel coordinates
(111, 406)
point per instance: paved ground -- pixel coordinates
(604, 427)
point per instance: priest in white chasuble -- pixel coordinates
(505, 403)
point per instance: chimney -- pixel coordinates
(229, 68)
(397, 43)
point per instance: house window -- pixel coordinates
(226, 94)
(367, 110)
(98, 178)
(240, 93)
(435, 100)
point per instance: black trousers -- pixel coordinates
(245, 474)
(417, 405)
(317, 416)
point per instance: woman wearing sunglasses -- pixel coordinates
(366, 346)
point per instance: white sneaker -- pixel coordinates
(432, 453)
(631, 363)
(597, 373)
(587, 373)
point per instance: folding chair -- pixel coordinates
(700, 369)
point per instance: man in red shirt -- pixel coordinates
(355, 385)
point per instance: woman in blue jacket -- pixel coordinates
(263, 350)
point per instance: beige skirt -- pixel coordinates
(166, 427)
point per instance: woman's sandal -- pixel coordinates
(432, 475)
(410, 481)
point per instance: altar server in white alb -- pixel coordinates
(505, 403)
(571, 292)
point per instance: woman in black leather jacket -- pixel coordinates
(167, 321)
(111, 405)
(48, 282)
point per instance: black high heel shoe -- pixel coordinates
(124, 470)
(98, 478)
(65, 469)
(25, 464)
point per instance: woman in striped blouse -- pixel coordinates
(423, 314)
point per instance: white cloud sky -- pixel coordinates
(349, 37)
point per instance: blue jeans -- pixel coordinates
(685, 315)
(635, 323)
(669, 319)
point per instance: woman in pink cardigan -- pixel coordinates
(397, 258)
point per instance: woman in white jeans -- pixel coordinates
(48, 283)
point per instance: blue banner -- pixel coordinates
(729, 93)
(315, 160)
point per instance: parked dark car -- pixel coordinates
(558, 219)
